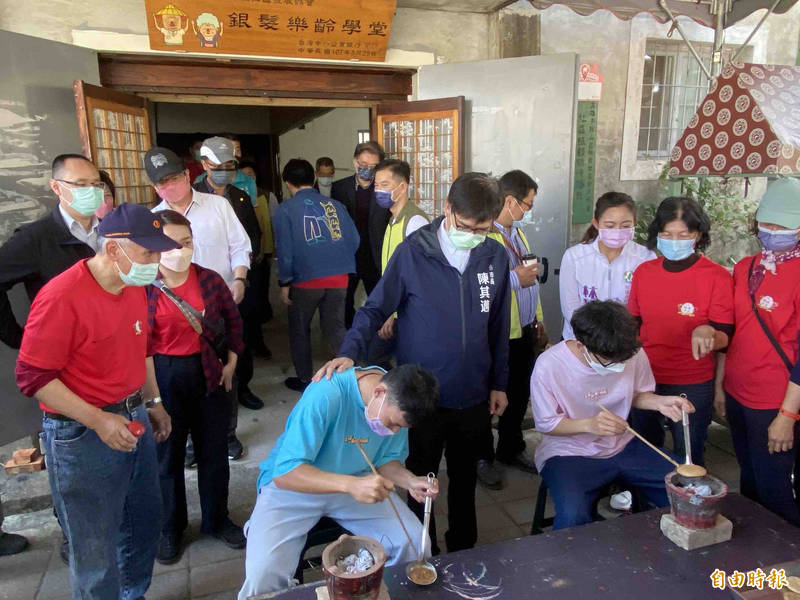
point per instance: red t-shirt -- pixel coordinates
(96, 340)
(671, 306)
(171, 333)
(754, 372)
(321, 283)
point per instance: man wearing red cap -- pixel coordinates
(83, 357)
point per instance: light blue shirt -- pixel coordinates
(457, 258)
(78, 232)
(528, 297)
(326, 414)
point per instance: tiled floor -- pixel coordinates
(209, 570)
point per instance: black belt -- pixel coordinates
(127, 405)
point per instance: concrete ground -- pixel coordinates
(208, 570)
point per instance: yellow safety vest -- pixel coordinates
(396, 232)
(516, 327)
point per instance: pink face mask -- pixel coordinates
(615, 238)
(174, 191)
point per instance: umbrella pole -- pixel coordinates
(720, 8)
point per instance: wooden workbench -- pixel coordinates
(621, 559)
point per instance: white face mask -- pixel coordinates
(177, 260)
(601, 369)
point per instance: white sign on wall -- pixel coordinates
(590, 83)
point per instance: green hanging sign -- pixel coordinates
(585, 155)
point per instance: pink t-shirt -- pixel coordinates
(562, 386)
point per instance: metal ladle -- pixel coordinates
(689, 469)
(421, 563)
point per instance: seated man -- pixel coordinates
(314, 472)
(585, 448)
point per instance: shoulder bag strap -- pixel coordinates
(787, 363)
(190, 312)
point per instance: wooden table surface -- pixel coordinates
(619, 559)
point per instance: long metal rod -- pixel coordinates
(752, 33)
(666, 9)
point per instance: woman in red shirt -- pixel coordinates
(190, 309)
(685, 303)
(760, 403)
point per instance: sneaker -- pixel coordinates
(169, 549)
(11, 543)
(490, 475)
(235, 448)
(523, 461)
(230, 534)
(249, 400)
(63, 550)
(296, 384)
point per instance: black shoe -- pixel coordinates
(490, 475)
(249, 400)
(235, 448)
(63, 550)
(296, 384)
(230, 534)
(11, 543)
(169, 549)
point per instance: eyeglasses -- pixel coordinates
(461, 227)
(523, 205)
(95, 184)
(366, 165)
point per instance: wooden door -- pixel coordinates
(429, 135)
(115, 134)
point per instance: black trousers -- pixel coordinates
(260, 281)
(183, 390)
(460, 435)
(521, 358)
(765, 478)
(366, 271)
(251, 322)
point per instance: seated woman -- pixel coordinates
(585, 448)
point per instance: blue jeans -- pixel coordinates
(650, 423)
(575, 482)
(765, 478)
(109, 505)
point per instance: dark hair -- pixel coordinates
(399, 168)
(518, 184)
(414, 390)
(59, 163)
(106, 178)
(604, 202)
(476, 196)
(298, 172)
(231, 136)
(324, 161)
(687, 210)
(370, 146)
(172, 217)
(607, 330)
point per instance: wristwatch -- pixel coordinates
(243, 280)
(152, 403)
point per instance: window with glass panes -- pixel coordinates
(428, 143)
(673, 85)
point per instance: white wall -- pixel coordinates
(334, 134)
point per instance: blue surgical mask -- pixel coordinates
(675, 249)
(325, 181)
(601, 369)
(86, 200)
(375, 423)
(781, 240)
(223, 176)
(140, 274)
(464, 240)
(384, 198)
(366, 173)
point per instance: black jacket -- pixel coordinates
(243, 207)
(344, 190)
(35, 254)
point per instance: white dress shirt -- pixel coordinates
(220, 242)
(457, 258)
(587, 275)
(78, 232)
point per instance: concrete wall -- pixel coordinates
(334, 134)
(191, 118)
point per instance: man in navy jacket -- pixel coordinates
(316, 242)
(449, 285)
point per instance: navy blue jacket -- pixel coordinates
(314, 237)
(455, 325)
